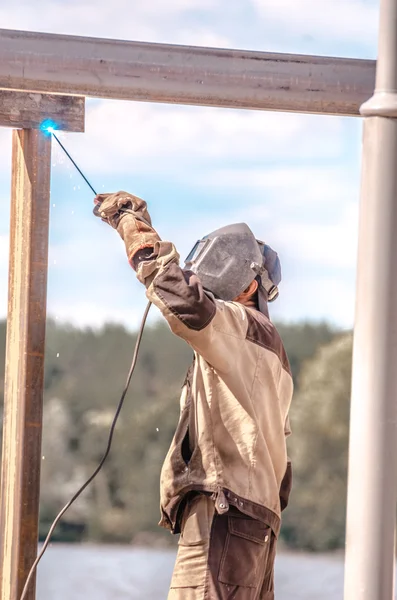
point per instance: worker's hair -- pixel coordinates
(255, 298)
(255, 295)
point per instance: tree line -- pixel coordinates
(84, 375)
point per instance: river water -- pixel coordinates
(85, 572)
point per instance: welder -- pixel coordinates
(226, 477)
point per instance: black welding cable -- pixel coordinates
(99, 467)
(73, 162)
(95, 211)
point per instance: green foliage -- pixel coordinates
(84, 376)
(301, 341)
(88, 377)
(315, 518)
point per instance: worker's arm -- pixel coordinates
(194, 315)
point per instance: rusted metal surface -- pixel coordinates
(23, 390)
(105, 68)
(28, 110)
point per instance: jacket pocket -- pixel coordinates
(245, 552)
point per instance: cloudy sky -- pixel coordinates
(293, 178)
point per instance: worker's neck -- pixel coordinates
(248, 303)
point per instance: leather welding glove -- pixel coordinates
(129, 216)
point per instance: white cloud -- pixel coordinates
(153, 20)
(290, 204)
(344, 20)
(95, 314)
(4, 242)
(307, 212)
(143, 137)
(328, 297)
(5, 150)
(216, 23)
(92, 283)
(4, 248)
(293, 178)
(308, 186)
(326, 245)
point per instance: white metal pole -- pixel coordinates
(372, 489)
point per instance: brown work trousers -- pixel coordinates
(222, 557)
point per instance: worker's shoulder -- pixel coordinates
(252, 326)
(251, 321)
(230, 312)
(261, 331)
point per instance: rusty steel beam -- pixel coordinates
(103, 68)
(28, 110)
(23, 390)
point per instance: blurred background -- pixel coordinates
(295, 180)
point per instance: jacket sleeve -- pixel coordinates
(204, 323)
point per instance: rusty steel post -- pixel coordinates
(23, 393)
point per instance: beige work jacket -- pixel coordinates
(230, 441)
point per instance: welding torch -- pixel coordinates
(50, 128)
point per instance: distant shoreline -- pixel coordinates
(160, 546)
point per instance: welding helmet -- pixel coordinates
(227, 260)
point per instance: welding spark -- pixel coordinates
(48, 126)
